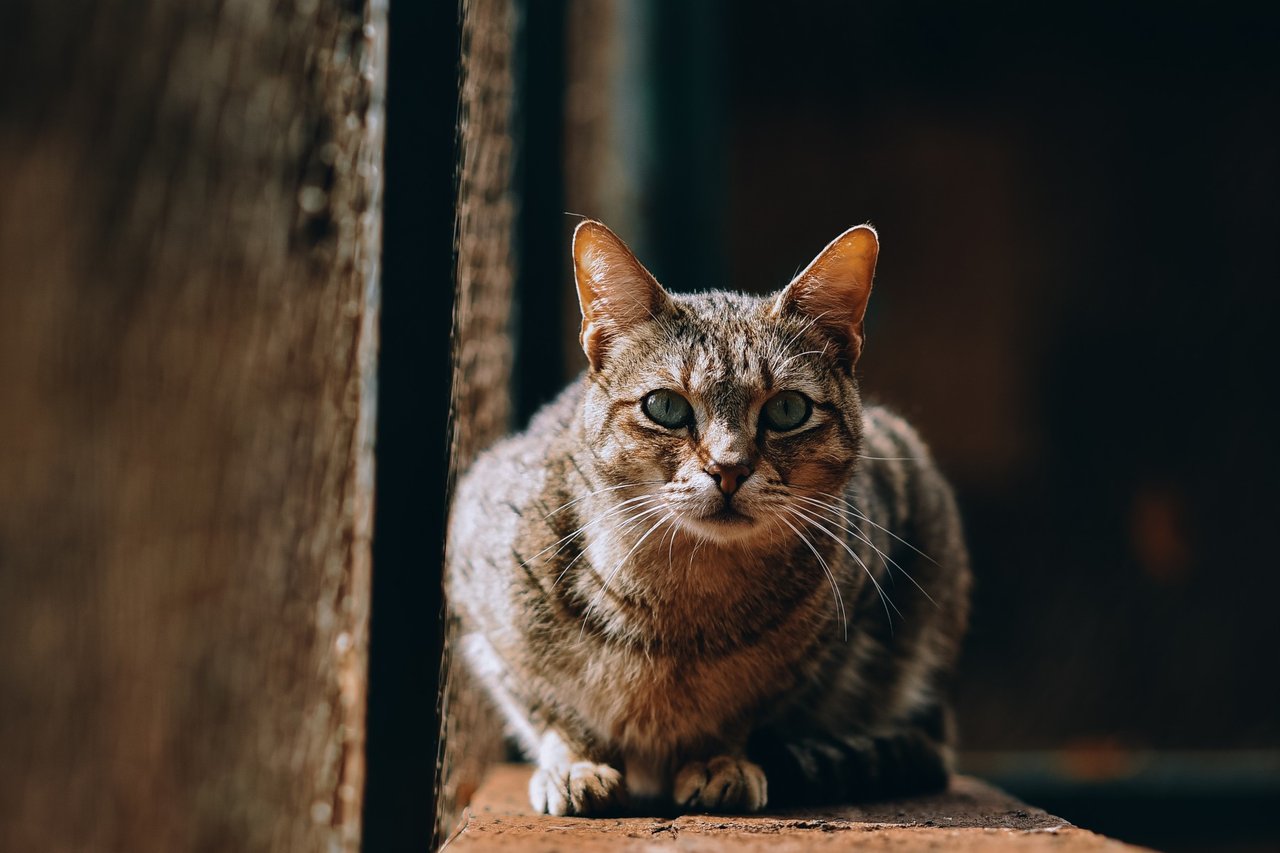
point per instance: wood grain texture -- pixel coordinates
(470, 732)
(970, 816)
(189, 235)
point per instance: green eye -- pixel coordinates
(668, 408)
(786, 410)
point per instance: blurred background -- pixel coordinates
(1079, 208)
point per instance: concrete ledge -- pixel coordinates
(972, 815)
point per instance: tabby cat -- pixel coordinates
(707, 577)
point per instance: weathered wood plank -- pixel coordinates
(188, 274)
(972, 815)
(471, 733)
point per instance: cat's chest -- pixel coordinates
(656, 702)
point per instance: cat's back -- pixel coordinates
(895, 463)
(913, 518)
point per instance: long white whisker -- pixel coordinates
(884, 558)
(672, 533)
(884, 599)
(857, 513)
(625, 525)
(853, 508)
(792, 358)
(568, 504)
(611, 511)
(630, 524)
(605, 586)
(813, 321)
(831, 578)
(694, 552)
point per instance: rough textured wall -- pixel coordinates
(189, 230)
(471, 736)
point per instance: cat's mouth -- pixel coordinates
(728, 515)
(725, 524)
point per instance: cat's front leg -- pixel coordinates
(567, 783)
(725, 783)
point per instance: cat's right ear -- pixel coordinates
(832, 291)
(615, 291)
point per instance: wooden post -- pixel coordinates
(189, 226)
(471, 733)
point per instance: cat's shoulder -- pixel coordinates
(891, 435)
(559, 415)
(895, 456)
(897, 466)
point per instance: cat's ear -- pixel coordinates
(832, 291)
(615, 291)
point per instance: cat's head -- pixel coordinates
(730, 415)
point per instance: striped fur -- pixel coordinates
(641, 649)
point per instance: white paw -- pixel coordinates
(581, 788)
(723, 784)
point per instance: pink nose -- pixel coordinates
(728, 477)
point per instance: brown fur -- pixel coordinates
(638, 643)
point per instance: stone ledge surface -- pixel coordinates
(970, 816)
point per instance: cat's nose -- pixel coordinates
(728, 476)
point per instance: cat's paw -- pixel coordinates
(580, 788)
(723, 784)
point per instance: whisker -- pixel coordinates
(674, 529)
(623, 527)
(884, 599)
(792, 358)
(884, 558)
(611, 511)
(859, 514)
(694, 552)
(841, 614)
(813, 321)
(604, 588)
(568, 504)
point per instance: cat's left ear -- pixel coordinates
(615, 291)
(833, 290)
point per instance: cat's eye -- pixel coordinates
(786, 410)
(668, 409)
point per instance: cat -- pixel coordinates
(707, 577)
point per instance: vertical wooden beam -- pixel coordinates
(471, 734)
(189, 230)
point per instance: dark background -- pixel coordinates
(1078, 208)
(418, 255)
